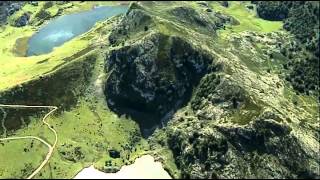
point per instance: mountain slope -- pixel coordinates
(210, 89)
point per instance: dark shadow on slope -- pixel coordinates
(154, 77)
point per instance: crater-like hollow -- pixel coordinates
(153, 77)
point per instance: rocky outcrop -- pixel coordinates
(8, 8)
(48, 4)
(264, 148)
(235, 121)
(71, 152)
(62, 2)
(135, 20)
(42, 15)
(203, 3)
(3, 16)
(210, 20)
(216, 96)
(22, 20)
(155, 75)
(13, 7)
(224, 3)
(34, 3)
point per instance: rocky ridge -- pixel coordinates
(238, 120)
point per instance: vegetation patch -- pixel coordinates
(248, 20)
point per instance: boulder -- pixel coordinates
(250, 7)
(225, 3)
(209, 10)
(114, 153)
(22, 20)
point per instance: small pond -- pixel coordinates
(66, 27)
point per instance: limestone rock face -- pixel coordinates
(209, 20)
(133, 21)
(155, 74)
(230, 116)
(8, 8)
(263, 148)
(13, 7)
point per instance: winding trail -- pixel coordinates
(51, 147)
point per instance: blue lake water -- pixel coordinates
(66, 27)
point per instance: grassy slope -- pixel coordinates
(89, 125)
(16, 70)
(80, 127)
(16, 158)
(248, 20)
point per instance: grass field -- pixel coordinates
(22, 156)
(89, 129)
(247, 18)
(16, 70)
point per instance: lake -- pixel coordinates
(66, 27)
(144, 167)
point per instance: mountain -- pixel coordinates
(210, 89)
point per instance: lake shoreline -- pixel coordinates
(51, 35)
